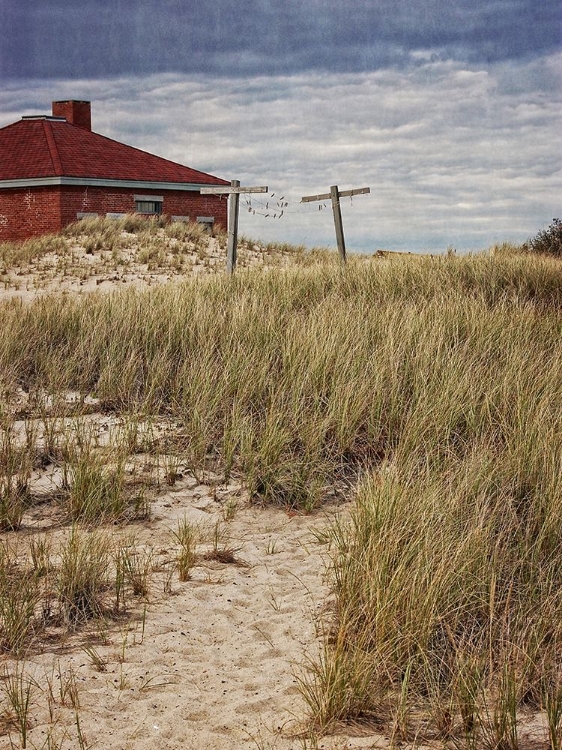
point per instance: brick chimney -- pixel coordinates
(76, 112)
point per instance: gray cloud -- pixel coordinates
(101, 38)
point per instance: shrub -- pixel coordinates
(548, 241)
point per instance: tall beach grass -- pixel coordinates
(430, 386)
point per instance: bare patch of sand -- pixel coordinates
(212, 662)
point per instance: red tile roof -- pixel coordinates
(50, 147)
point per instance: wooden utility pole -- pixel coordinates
(233, 193)
(335, 196)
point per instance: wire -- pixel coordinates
(277, 209)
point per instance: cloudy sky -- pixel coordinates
(449, 110)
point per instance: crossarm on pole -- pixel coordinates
(229, 190)
(341, 193)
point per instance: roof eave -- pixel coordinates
(29, 182)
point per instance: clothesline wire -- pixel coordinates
(276, 209)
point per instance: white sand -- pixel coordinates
(216, 662)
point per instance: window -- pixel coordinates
(207, 222)
(148, 207)
(149, 204)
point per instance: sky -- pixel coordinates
(449, 110)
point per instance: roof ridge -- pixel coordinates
(53, 151)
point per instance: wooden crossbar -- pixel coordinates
(342, 194)
(230, 190)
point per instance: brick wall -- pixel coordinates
(28, 213)
(122, 200)
(95, 200)
(31, 212)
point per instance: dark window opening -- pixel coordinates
(207, 221)
(148, 207)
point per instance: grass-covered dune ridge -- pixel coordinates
(433, 387)
(293, 375)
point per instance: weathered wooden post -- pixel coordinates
(335, 196)
(232, 245)
(340, 239)
(233, 193)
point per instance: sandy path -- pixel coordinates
(226, 641)
(214, 664)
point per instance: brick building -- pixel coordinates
(55, 170)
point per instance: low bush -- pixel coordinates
(548, 241)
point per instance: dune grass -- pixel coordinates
(300, 376)
(430, 386)
(147, 250)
